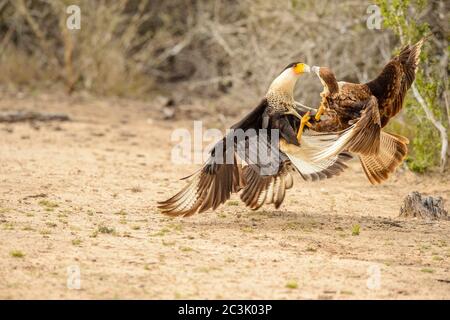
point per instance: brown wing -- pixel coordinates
(262, 189)
(378, 163)
(395, 79)
(362, 137)
(365, 136)
(380, 152)
(208, 188)
(214, 183)
(267, 189)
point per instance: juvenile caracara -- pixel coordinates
(363, 109)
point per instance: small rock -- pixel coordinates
(168, 112)
(162, 101)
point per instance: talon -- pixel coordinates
(319, 112)
(304, 121)
(306, 117)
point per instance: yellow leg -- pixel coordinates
(303, 122)
(319, 112)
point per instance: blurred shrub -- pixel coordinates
(205, 48)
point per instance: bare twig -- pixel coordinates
(442, 130)
(173, 51)
(447, 107)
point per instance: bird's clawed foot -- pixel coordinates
(304, 121)
(319, 112)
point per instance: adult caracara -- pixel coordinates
(262, 179)
(364, 109)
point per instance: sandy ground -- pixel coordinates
(82, 195)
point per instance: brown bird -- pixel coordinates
(364, 109)
(262, 179)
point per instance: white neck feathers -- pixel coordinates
(285, 82)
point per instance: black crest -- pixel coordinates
(290, 65)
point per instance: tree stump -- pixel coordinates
(417, 206)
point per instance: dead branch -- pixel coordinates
(26, 116)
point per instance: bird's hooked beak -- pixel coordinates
(301, 68)
(315, 69)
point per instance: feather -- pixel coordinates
(393, 150)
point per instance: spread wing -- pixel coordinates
(304, 158)
(266, 189)
(380, 152)
(214, 183)
(395, 79)
(211, 186)
(364, 137)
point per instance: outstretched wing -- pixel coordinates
(207, 188)
(266, 189)
(395, 79)
(364, 137)
(304, 158)
(214, 183)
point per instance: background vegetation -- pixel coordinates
(225, 53)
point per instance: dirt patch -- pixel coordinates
(83, 193)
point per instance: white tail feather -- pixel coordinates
(316, 153)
